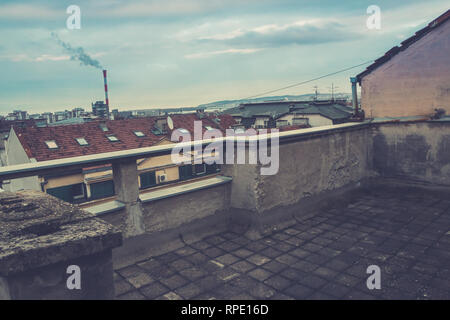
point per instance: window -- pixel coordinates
(148, 179)
(102, 189)
(112, 138)
(209, 128)
(200, 169)
(183, 130)
(68, 193)
(281, 123)
(139, 133)
(82, 141)
(51, 144)
(185, 172)
(300, 121)
(212, 168)
(78, 191)
(104, 127)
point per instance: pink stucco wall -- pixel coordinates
(414, 82)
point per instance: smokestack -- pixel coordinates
(106, 92)
(353, 80)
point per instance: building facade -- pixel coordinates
(412, 79)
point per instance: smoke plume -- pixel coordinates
(77, 54)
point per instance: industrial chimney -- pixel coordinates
(106, 93)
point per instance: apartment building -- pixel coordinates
(34, 144)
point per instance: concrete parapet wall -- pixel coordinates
(418, 151)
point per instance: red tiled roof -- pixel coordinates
(405, 44)
(33, 138)
(186, 121)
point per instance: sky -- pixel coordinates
(173, 53)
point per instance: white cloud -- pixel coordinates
(29, 11)
(219, 52)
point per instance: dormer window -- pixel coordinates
(51, 144)
(139, 134)
(82, 141)
(112, 138)
(104, 127)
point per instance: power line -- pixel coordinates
(307, 81)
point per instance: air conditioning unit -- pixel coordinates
(162, 177)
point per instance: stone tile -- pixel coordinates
(334, 289)
(213, 252)
(154, 290)
(299, 292)
(261, 291)
(180, 264)
(325, 273)
(258, 259)
(278, 282)
(275, 266)
(140, 280)
(312, 281)
(242, 253)
(133, 295)
(260, 274)
(192, 273)
(130, 271)
(174, 281)
(185, 251)
(243, 266)
(189, 291)
(227, 259)
(198, 258)
(287, 259)
(172, 296)
(122, 287)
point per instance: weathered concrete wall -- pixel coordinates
(315, 165)
(414, 82)
(172, 212)
(40, 237)
(310, 166)
(418, 151)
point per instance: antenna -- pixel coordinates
(316, 92)
(332, 88)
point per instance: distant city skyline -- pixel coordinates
(162, 54)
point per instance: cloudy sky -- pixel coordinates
(162, 53)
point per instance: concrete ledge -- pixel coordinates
(107, 207)
(184, 188)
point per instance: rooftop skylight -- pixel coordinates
(139, 133)
(112, 138)
(82, 141)
(51, 144)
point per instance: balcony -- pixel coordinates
(345, 197)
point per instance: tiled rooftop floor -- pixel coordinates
(407, 234)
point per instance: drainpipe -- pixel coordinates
(353, 80)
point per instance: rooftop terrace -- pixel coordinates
(405, 231)
(345, 197)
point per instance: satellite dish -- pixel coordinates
(169, 122)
